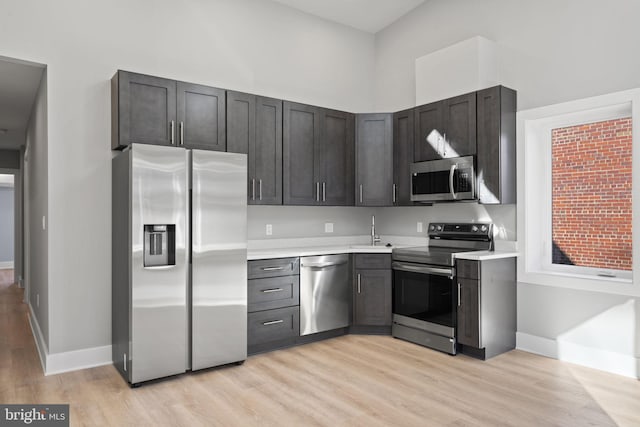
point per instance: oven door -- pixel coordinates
(446, 179)
(424, 297)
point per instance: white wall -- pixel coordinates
(551, 52)
(36, 243)
(248, 45)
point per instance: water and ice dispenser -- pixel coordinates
(159, 245)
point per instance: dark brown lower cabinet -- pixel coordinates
(273, 297)
(486, 324)
(372, 290)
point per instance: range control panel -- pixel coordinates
(461, 231)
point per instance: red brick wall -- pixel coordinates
(592, 194)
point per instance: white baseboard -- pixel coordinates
(41, 345)
(4, 265)
(58, 363)
(609, 361)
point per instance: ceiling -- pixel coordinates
(366, 15)
(19, 82)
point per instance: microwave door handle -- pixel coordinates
(451, 173)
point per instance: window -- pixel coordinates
(575, 200)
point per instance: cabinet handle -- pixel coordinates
(260, 189)
(268, 291)
(318, 191)
(444, 145)
(172, 132)
(360, 193)
(253, 189)
(272, 322)
(272, 268)
(394, 193)
(324, 191)
(359, 283)
(181, 133)
(459, 294)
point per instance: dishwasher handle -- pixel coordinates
(322, 264)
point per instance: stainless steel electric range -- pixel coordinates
(425, 296)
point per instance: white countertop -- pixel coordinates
(485, 255)
(285, 248)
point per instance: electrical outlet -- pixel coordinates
(328, 227)
(269, 229)
(419, 228)
(37, 300)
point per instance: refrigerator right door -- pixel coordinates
(219, 258)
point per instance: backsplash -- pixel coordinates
(403, 221)
(309, 221)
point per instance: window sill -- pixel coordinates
(609, 285)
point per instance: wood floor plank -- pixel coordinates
(347, 381)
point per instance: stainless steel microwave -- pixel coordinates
(445, 179)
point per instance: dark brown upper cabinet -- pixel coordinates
(374, 160)
(254, 127)
(446, 128)
(317, 147)
(201, 117)
(152, 110)
(496, 158)
(143, 110)
(403, 136)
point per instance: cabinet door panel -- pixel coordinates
(496, 135)
(469, 313)
(403, 136)
(201, 113)
(373, 297)
(241, 127)
(460, 126)
(337, 164)
(241, 123)
(374, 160)
(301, 136)
(429, 132)
(147, 109)
(267, 151)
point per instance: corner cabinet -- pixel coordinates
(403, 136)
(374, 160)
(496, 145)
(372, 291)
(446, 128)
(486, 324)
(317, 156)
(254, 127)
(152, 110)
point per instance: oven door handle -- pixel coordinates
(448, 272)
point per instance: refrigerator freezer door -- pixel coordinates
(159, 195)
(219, 258)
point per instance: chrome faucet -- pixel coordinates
(374, 237)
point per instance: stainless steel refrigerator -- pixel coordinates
(179, 251)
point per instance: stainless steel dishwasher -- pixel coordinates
(324, 293)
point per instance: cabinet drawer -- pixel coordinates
(273, 292)
(468, 269)
(373, 261)
(273, 325)
(273, 267)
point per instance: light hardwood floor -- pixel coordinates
(347, 381)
